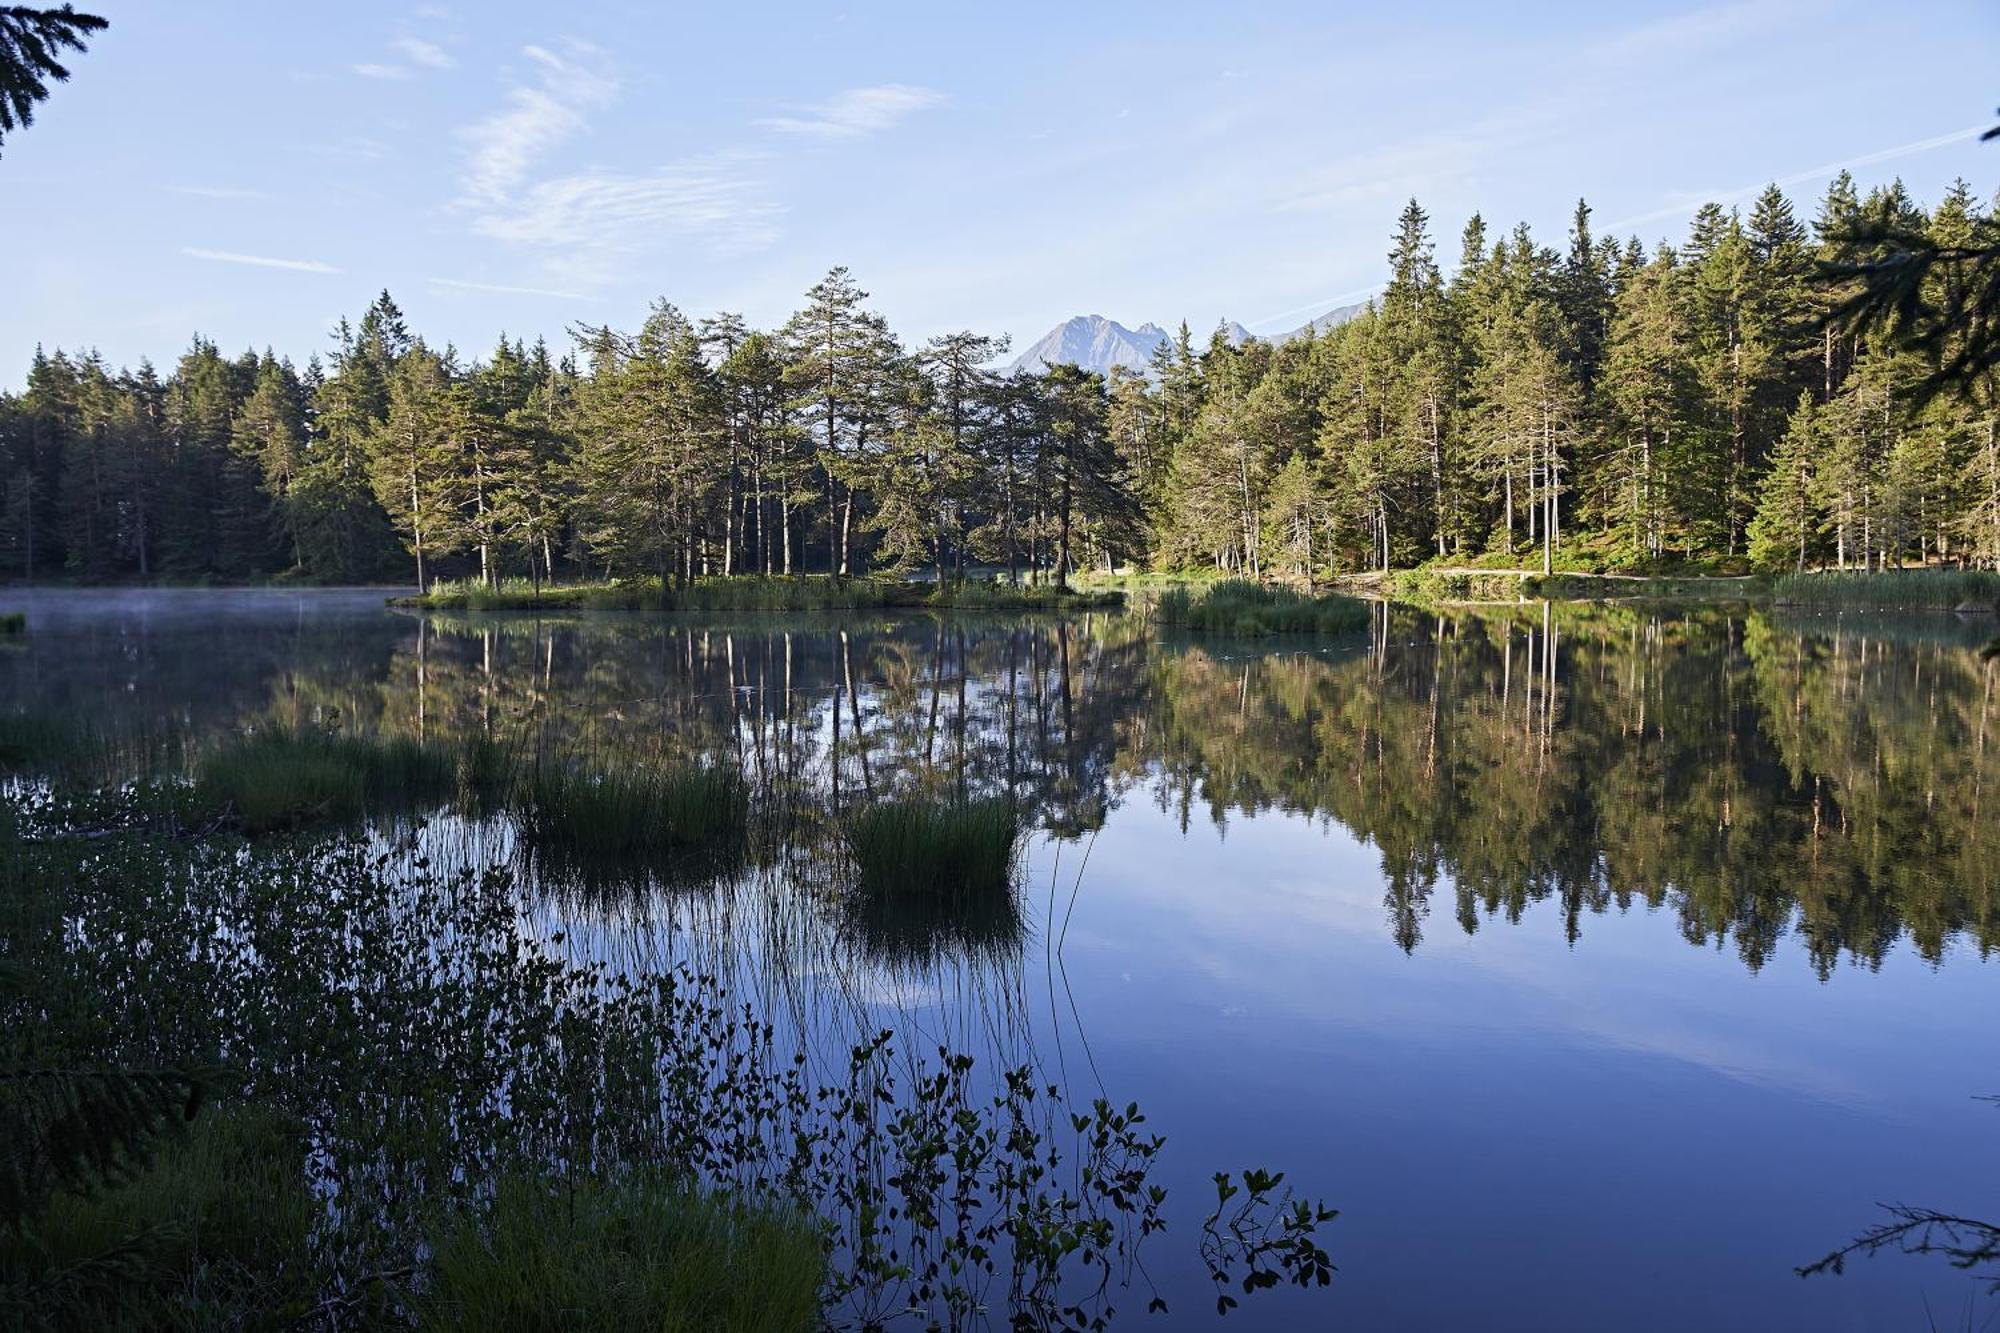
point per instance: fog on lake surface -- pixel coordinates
(1601, 964)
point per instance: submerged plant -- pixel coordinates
(941, 850)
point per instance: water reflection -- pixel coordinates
(1749, 774)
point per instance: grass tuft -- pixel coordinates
(635, 1253)
(275, 780)
(632, 812)
(1238, 606)
(936, 849)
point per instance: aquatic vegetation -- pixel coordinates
(274, 779)
(951, 850)
(631, 1252)
(631, 811)
(435, 1047)
(1892, 589)
(1241, 607)
(38, 739)
(13, 622)
(751, 592)
(219, 1220)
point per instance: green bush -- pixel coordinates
(636, 1253)
(936, 849)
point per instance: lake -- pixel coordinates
(1601, 964)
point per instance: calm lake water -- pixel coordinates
(1600, 964)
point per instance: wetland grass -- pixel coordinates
(634, 1252)
(13, 622)
(943, 851)
(1892, 589)
(632, 812)
(750, 592)
(278, 779)
(1251, 610)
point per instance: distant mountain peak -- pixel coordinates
(1097, 343)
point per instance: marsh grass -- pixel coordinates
(38, 740)
(219, 1224)
(942, 850)
(750, 592)
(13, 622)
(634, 812)
(276, 779)
(636, 1252)
(1240, 607)
(1892, 589)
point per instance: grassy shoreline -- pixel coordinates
(812, 592)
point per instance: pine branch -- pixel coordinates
(75, 1129)
(30, 42)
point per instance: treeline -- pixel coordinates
(1593, 407)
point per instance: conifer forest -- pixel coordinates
(1597, 405)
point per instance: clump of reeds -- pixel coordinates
(998, 596)
(631, 812)
(1892, 589)
(941, 849)
(1241, 607)
(278, 779)
(634, 1252)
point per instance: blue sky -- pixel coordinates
(254, 171)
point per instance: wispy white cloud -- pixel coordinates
(507, 289)
(260, 261)
(369, 70)
(420, 52)
(217, 192)
(856, 112)
(1686, 201)
(589, 225)
(505, 146)
(710, 199)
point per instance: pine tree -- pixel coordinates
(410, 458)
(1785, 532)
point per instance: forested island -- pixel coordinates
(1597, 407)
